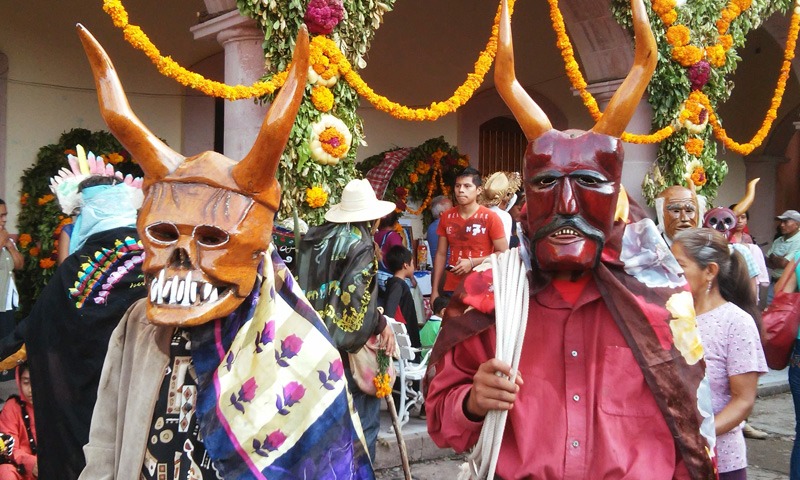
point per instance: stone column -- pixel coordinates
(762, 212)
(244, 64)
(638, 158)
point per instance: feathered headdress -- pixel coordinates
(65, 183)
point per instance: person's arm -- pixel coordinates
(438, 266)
(776, 261)
(16, 256)
(63, 246)
(393, 294)
(743, 396)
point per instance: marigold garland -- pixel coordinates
(322, 98)
(382, 380)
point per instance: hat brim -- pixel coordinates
(380, 209)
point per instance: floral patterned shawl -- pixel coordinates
(273, 401)
(648, 297)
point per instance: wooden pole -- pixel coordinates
(401, 443)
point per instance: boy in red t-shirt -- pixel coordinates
(472, 232)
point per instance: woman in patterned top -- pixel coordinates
(728, 317)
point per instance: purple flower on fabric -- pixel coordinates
(335, 372)
(266, 336)
(229, 361)
(271, 442)
(290, 347)
(323, 15)
(247, 393)
(293, 392)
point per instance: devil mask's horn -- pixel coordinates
(622, 106)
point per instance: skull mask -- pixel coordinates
(572, 179)
(722, 220)
(206, 220)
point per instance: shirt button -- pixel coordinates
(575, 443)
(574, 353)
(576, 397)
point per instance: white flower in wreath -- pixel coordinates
(330, 140)
(696, 173)
(315, 78)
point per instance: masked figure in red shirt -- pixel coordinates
(611, 359)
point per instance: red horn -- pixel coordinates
(154, 156)
(254, 172)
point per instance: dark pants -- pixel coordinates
(369, 411)
(794, 385)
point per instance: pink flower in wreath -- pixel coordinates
(323, 15)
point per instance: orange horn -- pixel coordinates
(254, 172)
(530, 116)
(623, 104)
(154, 156)
(744, 204)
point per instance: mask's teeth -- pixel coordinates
(173, 289)
(155, 290)
(161, 276)
(165, 289)
(207, 291)
(192, 292)
(180, 293)
(214, 295)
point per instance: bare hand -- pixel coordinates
(462, 267)
(386, 341)
(5, 238)
(490, 391)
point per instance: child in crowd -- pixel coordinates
(430, 331)
(16, 420)
(396, 299)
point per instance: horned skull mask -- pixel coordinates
(206, 221)
(722, 220)
(572, 178)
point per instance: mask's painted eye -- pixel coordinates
(162, 232)
(210, 236)
(544, 181)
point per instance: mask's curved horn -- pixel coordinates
(744, 204)
(530, 116)
(255, 170)
(154, 156)
(623, 104)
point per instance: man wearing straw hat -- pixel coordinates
(337, 266)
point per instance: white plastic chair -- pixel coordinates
(408, 372)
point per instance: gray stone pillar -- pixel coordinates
(762, 212)
(244, 64)
(638, 158)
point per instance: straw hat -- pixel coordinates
(359, 204)
(500, 186)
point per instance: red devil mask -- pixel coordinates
(572, 178)
(206, 220)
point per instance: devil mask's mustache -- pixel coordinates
(575, 222)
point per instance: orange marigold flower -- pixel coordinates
(699, 176)
(422, 168)
(34, 251)
(742, 4)
(322, 98)
(694, 146)
(669, 18)
(47, 263)
(23, 200)
(114, 158)
(45, 199)
(413, 178)
(716, 55)
(24, 240)
(687, 55)
(726, 41)
(678, 35)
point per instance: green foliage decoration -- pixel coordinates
(671, 86)
(281, 21)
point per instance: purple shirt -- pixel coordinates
(732, 347)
